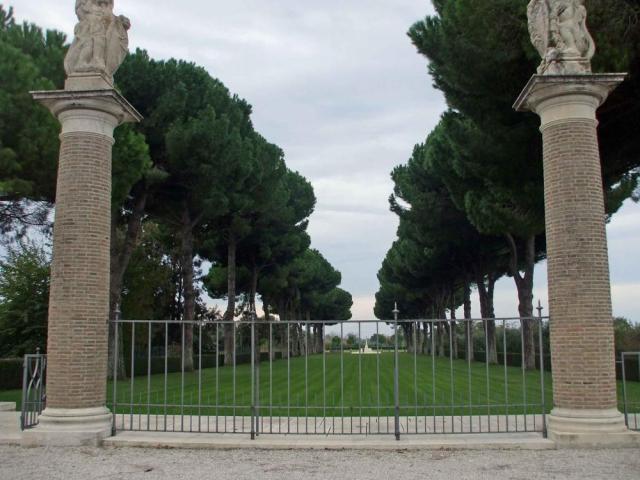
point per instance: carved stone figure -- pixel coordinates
(101, 40)
(559, 32)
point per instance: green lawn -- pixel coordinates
(455, 389)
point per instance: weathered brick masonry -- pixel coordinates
(79, 303)
(582, 344)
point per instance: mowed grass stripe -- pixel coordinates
(436, 394)
(358, 395)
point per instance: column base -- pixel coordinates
(61, 427)
(590, 428)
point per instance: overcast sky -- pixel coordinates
(338, 85)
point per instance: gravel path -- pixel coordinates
(133, 464)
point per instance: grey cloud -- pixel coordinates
(338, 85)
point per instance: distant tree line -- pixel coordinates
(470, 199)
(193, 183)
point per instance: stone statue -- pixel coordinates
(559, 32)
(101, 40)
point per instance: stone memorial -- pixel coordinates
(566, 95)
(89, 109)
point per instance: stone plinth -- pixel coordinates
(7, 406)
(582, 343)
(79, 298)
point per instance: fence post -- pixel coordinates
(23, 408)
(116, 354)
(542, 385)
(253, 379)
(396, 386)
(624, 391)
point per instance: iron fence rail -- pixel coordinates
(34, 394)
(434, 377)
(631, 405)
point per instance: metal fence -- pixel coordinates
(631, 397)
(34, 391)
(395, 377)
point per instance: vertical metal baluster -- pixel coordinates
(25, 418)
(396, 374)
(217, 376)
(636, 415)
(424, 393)
(133, 361)
(486, 349)
(200, 377)
(271, 377)
(542, 373)
(324, 382)
(506, 373)
(524, 375)
(415, 372)
(342, 376)
(433, 372)
(469, 359)
(360, 377)
(452, 375)
(442, 406)
(116, 354)
(378, 369)
(258, 420)
(306, 378)
(288, 377)
(166, 359)
(233, 398)
(253, 380)
(182, 378)
(149, 379)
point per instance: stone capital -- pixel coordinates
(97, 111)
(561, 98)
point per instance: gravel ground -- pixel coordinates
(133, 464)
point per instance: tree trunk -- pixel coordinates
(188, 286)
(441, 339)
(319, 347)
(229, 316)
(406, 333)
(419, 336)
(120, 258)
(524, 285)
(468, 324)
(426, 343)
(485, 292)
(255, 271)
(453, 330)
(304, 339)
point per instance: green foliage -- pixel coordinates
(24, 299)
(627, 335)
(477, 181)
(28, 133)
(11, 374)
(131, 162)
(149, 288)
(188, 181)
(30, 59)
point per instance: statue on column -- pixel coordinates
(101, 40)
(559, 32)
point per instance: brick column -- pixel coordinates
(582, 345)
(79, 299)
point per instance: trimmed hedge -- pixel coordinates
(10, 373)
